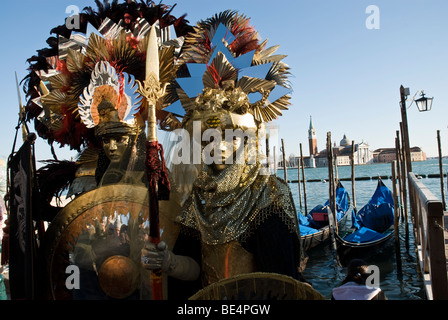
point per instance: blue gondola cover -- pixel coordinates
(364, 235)
(378, 213)
(374, 218)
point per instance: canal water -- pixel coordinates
(322, 268)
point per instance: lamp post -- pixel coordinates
(423, 104)
(404, 92)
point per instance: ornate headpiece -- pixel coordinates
(231, 72)
(112, 42)
(104, 103)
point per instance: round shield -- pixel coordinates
(93, 245)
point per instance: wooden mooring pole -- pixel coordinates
(404, 130)
(304, 180)
(399, 174)
(396, 215)
(284, 162)
(332, 182)
(298, 182)
(336, 174)
(352, 163)
(404, 177)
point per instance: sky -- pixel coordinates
(347, 65)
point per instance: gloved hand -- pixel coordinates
(156, 256)
(159, 257)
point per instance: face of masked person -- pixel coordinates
(224, 151)
(225, 138)
(115, 147)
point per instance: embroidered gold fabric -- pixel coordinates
(222, 207)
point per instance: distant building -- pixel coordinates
(361, 154)
(417, 154)
(385, 155)
(310, 162)
(312, 139)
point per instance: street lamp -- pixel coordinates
(424, 104)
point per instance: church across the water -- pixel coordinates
(342, 152)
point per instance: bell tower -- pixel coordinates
(312, 140)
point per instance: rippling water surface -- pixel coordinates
(322, 268)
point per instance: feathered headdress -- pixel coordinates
(65, 78)
(104, 105)
(228, 68)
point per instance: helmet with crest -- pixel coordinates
(112, 39)
(84, 84)
(104, 105)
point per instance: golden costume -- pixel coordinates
(237, 219)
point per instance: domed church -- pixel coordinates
(361, 153)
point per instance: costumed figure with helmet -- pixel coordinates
(83, 93)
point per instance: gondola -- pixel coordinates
(314, 227)
(372, 227)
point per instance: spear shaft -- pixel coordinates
(155, 165)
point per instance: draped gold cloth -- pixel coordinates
(221, 207)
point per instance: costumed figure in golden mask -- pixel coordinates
(236, 218)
